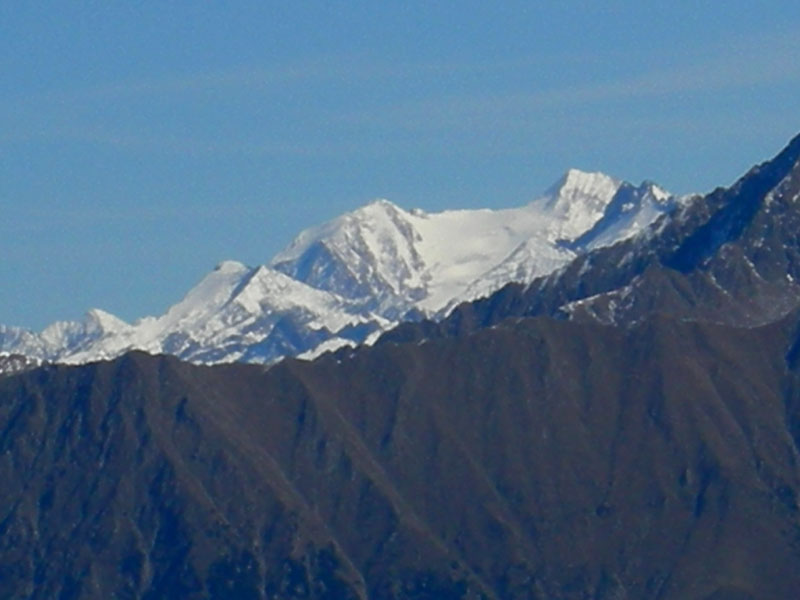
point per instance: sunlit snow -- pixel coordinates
(347, 280)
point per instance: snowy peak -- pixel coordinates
(208, 296)
(580, 185)
(368, 255)
(393, 261)
(344, 281)
(374, 216)
(95, 325)
(578, 200)
(231, 267)
(100, 321)
(656, 193)
(378, 208)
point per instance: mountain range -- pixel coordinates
(348, 280)
(626, 425)
(730, 257)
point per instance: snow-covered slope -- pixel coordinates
(235, 313)
(394, 261)
(344, 281)
(62, 336)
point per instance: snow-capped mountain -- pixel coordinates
(394, 261)
(345, 281)
(730, 258)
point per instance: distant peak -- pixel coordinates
(658, 193)
(379, 209)
(575, 181)
(231, 266)
(379, 204)
(104, 320)
(580, 174)
(99, 314)
(267, 273)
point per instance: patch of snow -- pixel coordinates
(329, 345)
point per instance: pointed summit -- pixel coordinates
(103, 322)
(377, 204)
(579, 200)
(577, 184)
(231, 267)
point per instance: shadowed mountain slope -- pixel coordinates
(536, 459)
(731, 257)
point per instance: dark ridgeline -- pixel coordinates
(643, 444)
(731, 257)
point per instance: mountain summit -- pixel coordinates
(731, 257)
(579, 200)
(347, 280)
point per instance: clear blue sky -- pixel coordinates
(142, 143)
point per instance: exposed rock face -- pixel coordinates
(731, 257)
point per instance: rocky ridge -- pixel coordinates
(730, 257)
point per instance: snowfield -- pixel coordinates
(343, 282)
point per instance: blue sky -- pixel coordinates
(142, 143)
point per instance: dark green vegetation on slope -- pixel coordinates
(641, 444)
